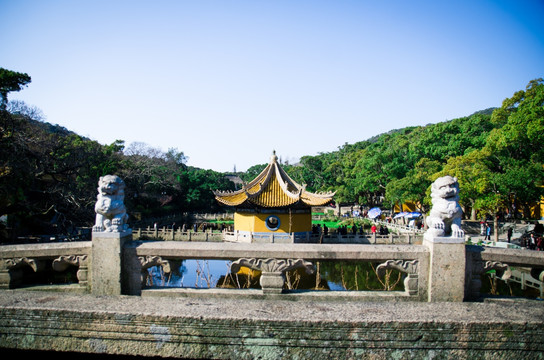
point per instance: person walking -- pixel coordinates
(532, 242)
(487, 231)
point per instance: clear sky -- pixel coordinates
(227, 82)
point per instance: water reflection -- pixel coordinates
(329, 275)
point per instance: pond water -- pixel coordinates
(337, 276)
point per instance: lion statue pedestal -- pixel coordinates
(111, 214)
(445, 240)
(110, 233)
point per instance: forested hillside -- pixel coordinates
(49, 175)
(497, 156)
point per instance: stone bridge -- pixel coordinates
(440, 313)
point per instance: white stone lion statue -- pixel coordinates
(444, 220)
(111, 214)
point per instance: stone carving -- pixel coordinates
(538, 273)
(502, 270)
(10, 269)
(62, 262)
(445, 217)
(408, 267)
(273, 265)
(272, 277)
(35, 264)
(149, 261)
(80, 261)
(111, 214)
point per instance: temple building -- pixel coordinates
(272, 208)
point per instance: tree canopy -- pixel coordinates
(496, 154)
(11, 81)
(49, 176)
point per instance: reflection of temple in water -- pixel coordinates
(272, 207)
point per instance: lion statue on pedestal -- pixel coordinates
(111, 214)
(445, 217)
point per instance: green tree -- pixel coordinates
(414, 186)
(48, 174)
(516, 147)
(11, 81)
(520, 125)
(252, 172)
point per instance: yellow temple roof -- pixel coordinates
(272, 188)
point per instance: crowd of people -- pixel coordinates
(383, 230)
(317, 229)
(535, 240)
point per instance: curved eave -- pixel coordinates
(316, 199)
(233, 199)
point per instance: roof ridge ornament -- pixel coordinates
(273, 158)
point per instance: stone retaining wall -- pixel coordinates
(266, 329)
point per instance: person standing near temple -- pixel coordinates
(487, 231)
(532, 242)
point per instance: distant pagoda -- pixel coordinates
(272, 207)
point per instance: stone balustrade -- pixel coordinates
(169, 234)
(14, 259)
(274, 259)
(115, 264)
(432, 317)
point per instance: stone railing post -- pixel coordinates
(106, 267)
(446, 268)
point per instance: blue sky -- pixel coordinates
(227, 82)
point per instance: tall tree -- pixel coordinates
(11, 81)
(516, 146)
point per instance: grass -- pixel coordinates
(330, 223)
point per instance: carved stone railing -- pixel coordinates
(411, 280)
(273, 271)
(169, 234)
(482, 259)
(59, 256)
(330, 238)
(273, 260)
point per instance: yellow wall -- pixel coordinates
(407, 206)
(254, 222)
